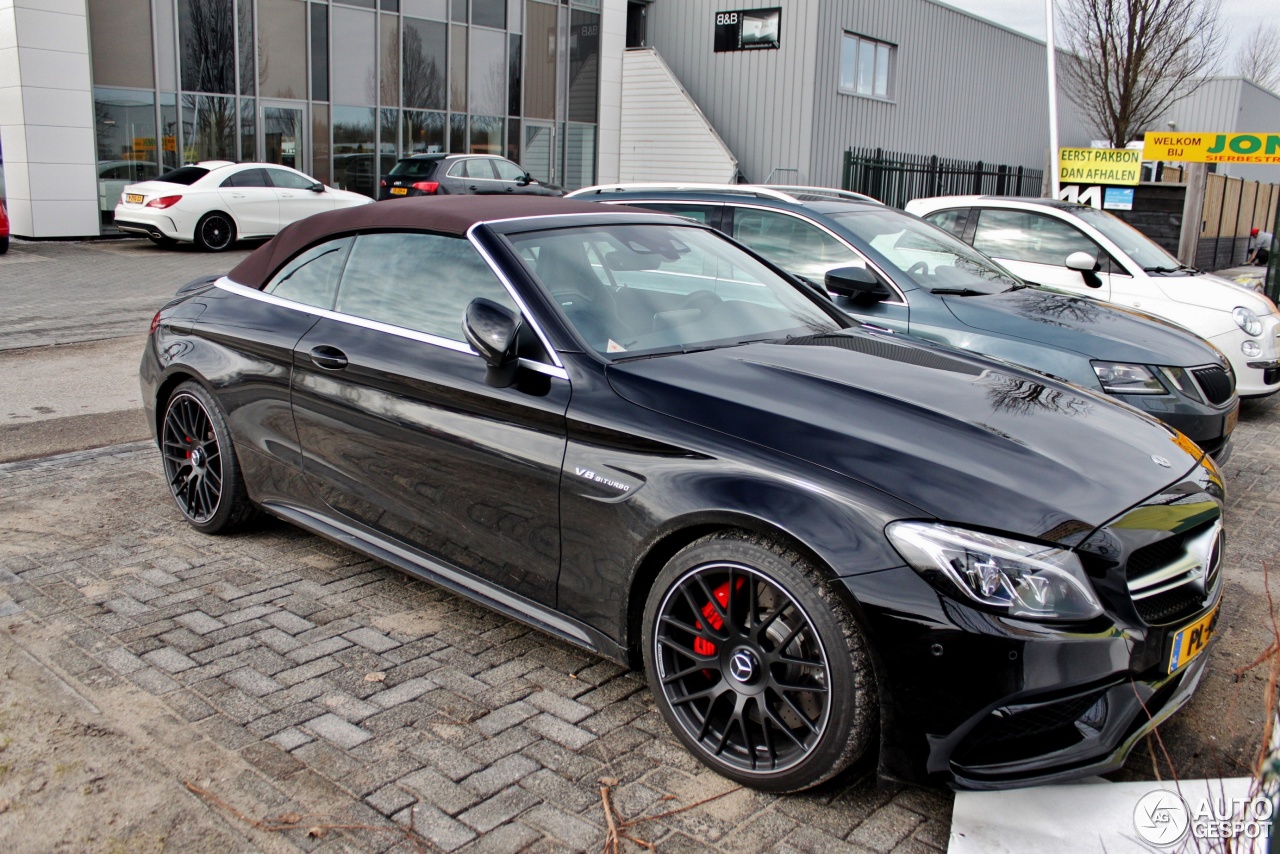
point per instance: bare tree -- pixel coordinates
(1260, 60)
(1135, 58)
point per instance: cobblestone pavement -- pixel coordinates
(58, 292)
(352, 690)
(483, 733)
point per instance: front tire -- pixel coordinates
(200, 462)
(215, 232)
(757, 664)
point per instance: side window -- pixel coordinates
(459, 169)
(508, 171)
(700, 213)
(1031, 237)
(248, 178)
(951, 221)
(794, 245)
(286, 180)
(478, 168)
(312, 277)
(421, 282)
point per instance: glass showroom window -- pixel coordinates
(866, 67)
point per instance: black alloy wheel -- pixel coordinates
(757, 665)
(199, 462)
(215, 232)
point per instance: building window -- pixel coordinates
(867, 67)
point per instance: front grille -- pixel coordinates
(1216, 384)
(1174, 577)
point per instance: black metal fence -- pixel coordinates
(896, 179)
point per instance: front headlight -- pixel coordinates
(1017, 578)
(1121, 378)
(1181, 380)
(1247, 320)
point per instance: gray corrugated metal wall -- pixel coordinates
(760, 102)
(965, 88)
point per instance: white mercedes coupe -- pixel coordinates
(214, 203)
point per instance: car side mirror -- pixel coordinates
(317, 187)
(493, 331)
(1087, 266)
(525, 180)
(855, 283)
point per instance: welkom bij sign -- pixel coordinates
(1212, 147)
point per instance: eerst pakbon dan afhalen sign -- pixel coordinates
(1099, 166)
(1212, 147)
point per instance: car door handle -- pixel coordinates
(472, 188)
(329, 358)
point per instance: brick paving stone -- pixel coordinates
(435, 788)
(335, 729)
(499, 775)
(498, 809)
(444, 832)
(390, 799)
(288, 622)
(288, 739)
(568, 829)
(448, 761)
(199, 622)
(347, 707)
(169, 659)
(252, 682)
(550, 726)
(561, 707)
(402, 693)
(371, 640)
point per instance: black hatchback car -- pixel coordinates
(913, 277)
(460, 174)
(821, 541)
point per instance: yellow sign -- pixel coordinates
(1099, 166)
(1213, 147)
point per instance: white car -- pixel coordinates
(1090, 252)
(214, 203)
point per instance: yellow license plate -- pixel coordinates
(133, 198)
(399, 191)
(1232, 418)
(1192, 640)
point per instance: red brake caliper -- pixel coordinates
(701, 645)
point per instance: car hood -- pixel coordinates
(1212, 292)
(1082, 325)
(963, 438)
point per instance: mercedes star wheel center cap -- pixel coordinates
(742, 666)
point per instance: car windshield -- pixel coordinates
(913, 250)
(187, 175)
(414, 168)
(642, 290)
(1146, 254)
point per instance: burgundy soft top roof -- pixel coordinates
(446, 214)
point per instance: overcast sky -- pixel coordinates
(1239, 18)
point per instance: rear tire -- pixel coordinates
(757, 663)
(200, 462)
(215, 232)
(4, 244)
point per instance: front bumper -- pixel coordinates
(1256, 376)
(1208, 426)
(973, 699)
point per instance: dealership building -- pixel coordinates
(95, 94)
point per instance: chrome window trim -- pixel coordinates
(230, 286)
(511, 291)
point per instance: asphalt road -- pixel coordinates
(76, 316)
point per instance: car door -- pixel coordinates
(475, 176)
(401, 434)
(515, 180)
(249, 197)
(1035, 247)
(805, 249)
(297, 199)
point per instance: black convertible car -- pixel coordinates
(822, 541)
